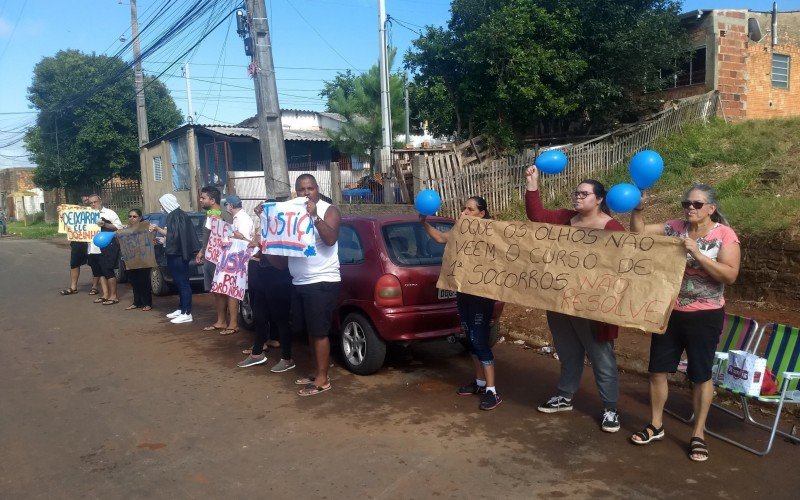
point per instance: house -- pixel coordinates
(19, 196)
(738, 53)
(194, 155)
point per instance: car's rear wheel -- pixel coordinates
(362, 349)
(120, 272)
(246, 312)
(158, 285)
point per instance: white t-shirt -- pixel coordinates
(111, 216)
(321, 267)
(244, 224)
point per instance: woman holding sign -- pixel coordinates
(476, 315)
(712, 261)
(139, 278)
(575, 338)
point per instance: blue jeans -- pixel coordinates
(476, 321)
(179, 270)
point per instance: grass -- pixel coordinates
(753, 165)
(33, 231)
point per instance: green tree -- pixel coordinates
(358, 99)
(509, 67)
(86, 131)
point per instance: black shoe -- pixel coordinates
(610, 421)
(554, 404)
(470, 389)
(490, 401)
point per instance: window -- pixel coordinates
(350, 249)
(691, 71)
(179, 155)
(410, 245)
(158, 171)
(780, 71)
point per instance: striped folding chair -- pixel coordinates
(782, 352)
(736, 334)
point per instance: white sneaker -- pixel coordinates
(182, 318)
(174, 314)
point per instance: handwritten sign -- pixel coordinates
(221, 233)
(136, 246)
(79, 223)
(287, 229)
(230, 277)
(626, 279)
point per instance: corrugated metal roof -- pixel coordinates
(288, 135)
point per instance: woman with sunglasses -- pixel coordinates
(476, 316)
(712, 261)
(139, 278)
(575, 338)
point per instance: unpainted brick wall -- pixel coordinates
(770, 271)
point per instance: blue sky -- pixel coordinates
(312, 40)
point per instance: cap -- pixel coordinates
(233, 200)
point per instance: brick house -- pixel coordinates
(737, 54)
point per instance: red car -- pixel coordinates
(389, 269)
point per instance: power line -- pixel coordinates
(319, 34)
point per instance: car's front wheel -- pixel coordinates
(246, 312)
(120, 272)
(362, 349)
(157, 282)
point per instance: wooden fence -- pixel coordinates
(502, 181)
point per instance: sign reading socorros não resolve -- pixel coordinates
(616, 277)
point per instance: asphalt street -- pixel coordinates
(99, 402)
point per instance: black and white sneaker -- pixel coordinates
(555, 404)
(610, 422)
(470, 389)
(490, 400)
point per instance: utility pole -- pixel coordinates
(190, 117)
(138, 79)
(386, 117)
(408, 114)
(270, 129)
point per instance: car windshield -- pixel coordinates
(410, 245)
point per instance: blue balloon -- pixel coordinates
(623, 197)
(646, 168)
(428, 202)
(551, 162)
(103, 238)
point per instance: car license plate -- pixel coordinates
(446, 294)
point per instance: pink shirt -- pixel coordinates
(699, 291)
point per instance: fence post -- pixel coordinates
(336, 183)
(419, 173)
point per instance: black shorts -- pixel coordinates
(104, 263)
(697, 333)
(78, 254)
(313, 306)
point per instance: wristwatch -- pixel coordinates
(317, 219)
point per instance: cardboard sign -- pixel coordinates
(621, 278)
(136, 246)
(221, 233)
(79, 223)
(59, 208)
(287, 229)
(230, 277)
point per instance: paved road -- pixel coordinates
(100, 402)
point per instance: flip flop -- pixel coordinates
(146, 308)
(307, 380)
(313, 390)
(229, 331)
(98, 300)
(68, 291)
(211, 328)
(94, 291)
(131, 307)
(109, 302)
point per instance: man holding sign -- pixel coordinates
(78, 256)
(210, 198)
(315, 272)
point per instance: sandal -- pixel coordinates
(313, 390)
(698, 451)
(211, 328)
(68, 291)
(307, 380)
(94, 291)
(147, 308)
(648, 434)
(110, 302)
(99, 300)
(131, 307)
(229, 331)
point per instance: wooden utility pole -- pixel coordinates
(138, 79)
(270, 129)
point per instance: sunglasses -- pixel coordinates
(582, 194)
(697, 205)
(133, 216)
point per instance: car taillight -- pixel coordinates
(388, 291)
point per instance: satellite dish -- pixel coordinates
(754, 30)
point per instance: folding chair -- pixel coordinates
(782, 353)
(737, 332)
